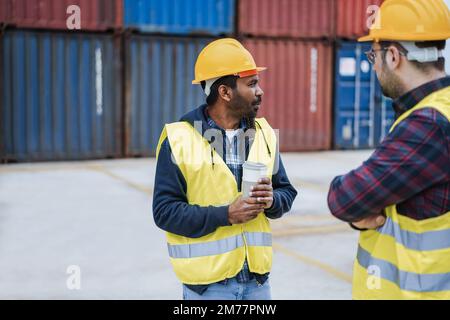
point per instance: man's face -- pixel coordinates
(247, 97)
(390, 82)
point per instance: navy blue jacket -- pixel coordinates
(174, 214)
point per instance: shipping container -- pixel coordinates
(184, 17)
(287, 18)
(4, 11)
(61, 96)
(387, 116)
(354, 17)
(362, 115)
(298, 90)
(159, 90)
(96, 15)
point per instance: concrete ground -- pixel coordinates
(97, 217)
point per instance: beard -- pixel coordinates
(391, 85)
(242, 109)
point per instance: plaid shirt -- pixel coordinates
(231, 151)
(411, 167)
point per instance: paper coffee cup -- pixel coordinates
(251, 174)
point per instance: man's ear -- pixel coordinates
(393, 58)
(225, 93)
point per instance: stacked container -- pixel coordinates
(162, 42)
(294, 39)
(354, 17)
(297, 90)
(287, 18)
(96, 15)
(159, 72)
(60, 90)
(362, 115)
(62, 96)
(107, 90)
(171, 17)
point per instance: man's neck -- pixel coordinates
(222, 118)
(417, 80)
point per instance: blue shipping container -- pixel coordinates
(159, 72)
(60, 96)
(184, 17)
(363, 116)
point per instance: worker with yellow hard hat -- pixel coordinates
(219, 240)
(399, 198)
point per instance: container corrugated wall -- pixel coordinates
(96, 15)
(61, 96)
(362, 115)
(289, 18)
(185, 17)
(354, 17)
(5, 12)
(298, 90)
(159, 72)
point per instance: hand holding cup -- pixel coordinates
(263, 192)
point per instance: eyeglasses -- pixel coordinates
(372, 54)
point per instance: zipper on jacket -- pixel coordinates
(212, 156)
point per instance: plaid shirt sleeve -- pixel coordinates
(411, 159)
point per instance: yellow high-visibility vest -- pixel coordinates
(406, 258)
(221, 254)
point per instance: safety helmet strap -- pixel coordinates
(422, 55)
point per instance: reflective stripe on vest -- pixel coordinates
(431, 240)
(258, 239)
(409, 281)
(410, 259)
(196, 250)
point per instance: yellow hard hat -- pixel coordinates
(224, 57)
(411, 20)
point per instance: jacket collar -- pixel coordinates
(413, 97)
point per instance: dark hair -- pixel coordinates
(229, 81)
(425, 66)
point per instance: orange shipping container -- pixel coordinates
(298, 90)
(355, 16)
(288, 18)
